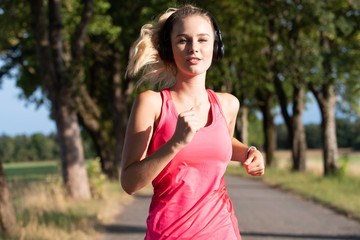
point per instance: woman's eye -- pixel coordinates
(182, 41)
(202, 40)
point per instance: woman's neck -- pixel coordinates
(191, 88)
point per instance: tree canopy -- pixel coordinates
(275, 52)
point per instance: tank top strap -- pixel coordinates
(165, 94)
(215, 100)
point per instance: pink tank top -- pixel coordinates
(190, 199)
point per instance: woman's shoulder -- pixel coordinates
(228, 101)
(149, 96)
(229, 105)
(150, 102)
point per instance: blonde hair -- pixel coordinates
(144, 53)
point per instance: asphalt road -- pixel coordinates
(263, 213)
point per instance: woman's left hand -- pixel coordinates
(254, 164)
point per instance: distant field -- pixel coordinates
(30, 171)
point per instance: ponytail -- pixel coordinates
(144, 56)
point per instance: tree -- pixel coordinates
(290, 32)
(105, 96)
(102, 97)
(337, 37)
(7, 147)
(284, 53)
(60, 77)
(7, 215)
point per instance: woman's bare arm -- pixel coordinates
(254, 163)
(138, 169)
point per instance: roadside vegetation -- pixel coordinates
(44, 211)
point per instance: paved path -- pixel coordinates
(263, 213)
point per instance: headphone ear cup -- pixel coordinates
(218, 43)
(221, 50)
(218, 53)
(216, 50)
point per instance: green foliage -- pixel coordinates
(88, 145)
(29, 148)
(37, 147)
(256, 133)
(282, 137)
(313, 136)
(344, 167)
(246, 69)
(96, 177)
(343, 132)
(337, 35)
(356, 134)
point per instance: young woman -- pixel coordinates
(180, 138)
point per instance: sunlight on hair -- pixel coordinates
(144, 56)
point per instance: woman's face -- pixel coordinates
(192, 41)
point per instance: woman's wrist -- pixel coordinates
(248, 151)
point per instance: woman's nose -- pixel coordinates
(194, 47)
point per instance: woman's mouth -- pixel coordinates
(193, 60)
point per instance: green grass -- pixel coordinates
(29, 171)
(341, 193)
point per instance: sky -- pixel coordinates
(17, 117)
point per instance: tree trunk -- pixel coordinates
(71, 149)
(294, 124)
(330, 140)
(298, 144)
(60, 88)
(7, 215)
(269, 127)
(326, 98)
(242, 125)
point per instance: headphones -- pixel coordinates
(165, 49)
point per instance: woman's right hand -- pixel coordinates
(186, 127)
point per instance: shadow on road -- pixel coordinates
(123, 229)
(298, 236)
